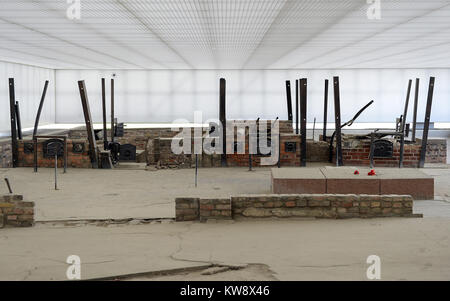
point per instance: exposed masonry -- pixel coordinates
(15, 212)
(334, 206)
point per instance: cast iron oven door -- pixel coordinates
(127, 152)
(52, 147)
(383, 148)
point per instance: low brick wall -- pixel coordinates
(5, 154)
(334, 206)
(15, 212)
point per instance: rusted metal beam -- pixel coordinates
(223, 119)
(337, 120)
(12, 111)
(303, 101)
(89, 126)
(289, 99)
(426, 126)
(325, 111)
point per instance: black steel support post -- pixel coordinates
(337, 120)
(41, 104)
(112, 110)
(289, 99)
(303, 100)
(405, 112)
(105, 135)
(426, 126)
(19, 123)
(325, 111)
(416, 100)
(12, 111)
(89, 125)
(223, 119)
(296, 105)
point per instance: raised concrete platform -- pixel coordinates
(342, 180)
(298, 180)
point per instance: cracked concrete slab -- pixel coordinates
(411, 249)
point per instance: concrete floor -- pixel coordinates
(409, 248)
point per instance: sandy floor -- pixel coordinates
(409, 248)
(117, 194)
(103, 194)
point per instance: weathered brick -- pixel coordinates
(375, 204)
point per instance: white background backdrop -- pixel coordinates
(29, 83)
(163, 96)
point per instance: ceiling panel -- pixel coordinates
(226, 34)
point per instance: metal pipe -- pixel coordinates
(303, 102)
(105, 134)
(112, 109)
(337, 120)
(19, 123)
(296, 105)
(405, 112)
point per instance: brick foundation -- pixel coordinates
(334, 206)
(14, 212)
(77, 160)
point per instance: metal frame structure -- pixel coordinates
(105, 133)
(303, 101)
(289, 99)
(426, 126)
(12, 111)
(337, 120)
(35, 148)
(89, 127)
(18, 122)
(223, 119)
(325, 111)
(297, 92)
(416, 100)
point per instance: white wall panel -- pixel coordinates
(29, 83)
(163, 96)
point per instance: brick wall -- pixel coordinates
(5, 154)
(356, 152)
(77, 160)
(15, 212)
(335, 206)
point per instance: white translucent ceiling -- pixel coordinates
(226, 34)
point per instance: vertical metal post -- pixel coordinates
(19, 123)
(65, 154)
(416, 100)
(105, 134)
(41, 104)
(303, 101)
(314, 128)
(35, 153)
(223, 119)
(296, 105)
(325, 112)
(56, 170)
(112, 109)
(405, 112)
(196, 169)
(426, 126)
(372, 139)
(289, 99)
(402, 149)
(12, 111)
(337, 121)
(89, 125)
